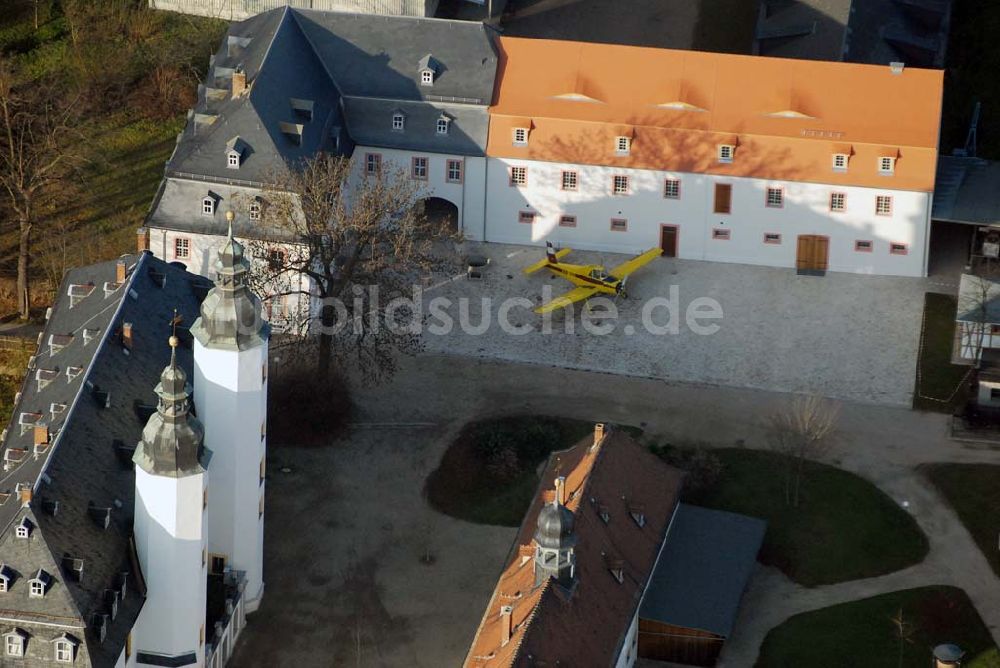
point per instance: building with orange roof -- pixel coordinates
(604, 565)
(794, 163)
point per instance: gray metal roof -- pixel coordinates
(705, 565)
(369, 122)
(967, 190)
(874, 32)
(88, 469)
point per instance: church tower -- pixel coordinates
(171, 487)
(230, 385)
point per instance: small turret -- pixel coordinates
(554, 541)
(230, 315)
(171, 443)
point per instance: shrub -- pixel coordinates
(703, 467)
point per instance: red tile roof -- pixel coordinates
(585, 626)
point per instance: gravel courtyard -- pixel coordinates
(842, 335)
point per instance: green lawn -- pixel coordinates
(973, 490)
(489, 475)
(938, 377)
(844, 529)
(861, 634)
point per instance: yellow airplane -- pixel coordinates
(590, 279)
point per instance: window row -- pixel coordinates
(441, 125)
(63, 646)
(566, 220)
(419, 169)
(725, 153)
(210, 204)
(773, 238)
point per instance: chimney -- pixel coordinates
(24, 494)
(41, 433)
(127, 334)
(120, 269)
(506, 624)
(239, 81)
(896, 67)
(561, 490)
(599, 430)
(142, 240)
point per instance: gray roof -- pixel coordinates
(704, 567)
(874, 32)
(369, 122)
(88, 469)
(380, 56)
(967, 190)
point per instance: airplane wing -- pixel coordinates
(623, 270)
(560, 254)
(566, 299)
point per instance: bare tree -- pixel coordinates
(800, 431)
(36, 153)
(976, 306)
(903, 630)
(344, 243)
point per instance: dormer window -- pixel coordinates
(65, 648)
(623, 145)
(4, 579)
(886, 165)
(726, 152)
(38, 584)
(520, 136)
(442, 125)
(398, 121)
(208, 206)
(254, 210)
(234, 152)
(427, 67)
(23, 529)
(233, 160)
(840, 162)
(427, 78)
(14, 642)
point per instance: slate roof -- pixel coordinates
(706, 563)
(874, 32)
(87, 470)
(967, 190)
(354, 71)
(587, 626)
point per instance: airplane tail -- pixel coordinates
(550, 253)
(552, 256)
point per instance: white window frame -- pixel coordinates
(208, 206)
(373, 163)
(514, 180)
(886, 165)
(775, 198)
(398, 122)
(519, 136)
(4, 584)
(13, 644)
(427, 77)
(842, 207)
(671, 188)
(178, 241)
(726, 153)
(63, 651)
(620, 184)
(22, 531)
(443, 125)
(254, 211)
(36, 588)
(570, 180)
(419, 174)
(623, 145)
(233, 160)
(840, 161)
(881, 210)
(453, 171)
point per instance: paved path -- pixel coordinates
(882, 444)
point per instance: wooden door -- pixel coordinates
(812, 253)
(668, 240)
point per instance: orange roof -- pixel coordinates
(586, 626)
(787, 117)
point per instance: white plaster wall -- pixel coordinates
(230, 394)
(170, 537)
(468, 195)
(805, 211)
(630, 648)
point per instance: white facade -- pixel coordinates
(630, 648)
(897, 242)
(467, 193)
(230, 393)
(170, 541)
